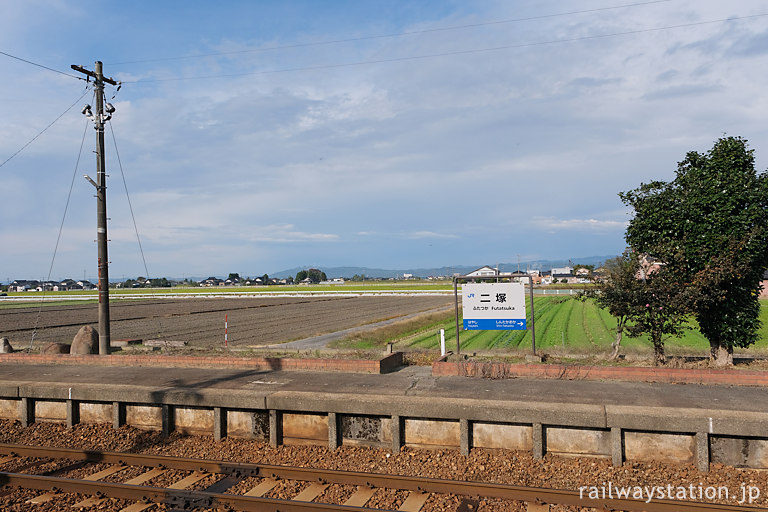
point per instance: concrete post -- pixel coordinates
(702, 451)
(538, 441)
(397, 434)
(27, 411)
(73, 413)
(275, 428)
(617, 447)
(219, 423)
(333, 431)
(168, 419)
(118, 414)
(465, 436)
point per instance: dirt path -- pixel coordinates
(318, 342)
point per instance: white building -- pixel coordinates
(483, 272)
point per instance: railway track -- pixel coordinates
(136, 482)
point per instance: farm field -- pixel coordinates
(373, 287)
(252, 321)
(562, 323)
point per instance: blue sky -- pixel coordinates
(260, 136)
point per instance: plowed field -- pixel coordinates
(200, 322)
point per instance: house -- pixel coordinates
(599, 274)
(211, 281)
(535, 275)
(566, 275)
(764, 286)
(48, 286)
(23, 285)
(68, 284)
(648, 265)
(559, 278)
(484, 271)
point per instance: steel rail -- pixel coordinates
(183, 498)
(421, 484)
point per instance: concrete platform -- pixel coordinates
(620, 420)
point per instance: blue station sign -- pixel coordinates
(493, 306)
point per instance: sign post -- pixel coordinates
(442, 342)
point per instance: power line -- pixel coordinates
(161, 333)
(446, 54)
(40, 65)
(384, 36)
(58, 237)
(130, 205)
(45, 129)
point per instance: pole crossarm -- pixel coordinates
(93, 75)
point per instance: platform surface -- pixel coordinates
(412, 381)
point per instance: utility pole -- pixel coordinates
(98, 116)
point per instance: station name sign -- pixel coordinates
(493, 306)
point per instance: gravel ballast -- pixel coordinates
(500, 466)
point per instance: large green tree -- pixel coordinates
(313, 274)
(709, 228)
(316, 275)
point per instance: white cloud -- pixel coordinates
(428, 234)
(288, 234)
(551, 223)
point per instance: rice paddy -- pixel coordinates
(561, 323)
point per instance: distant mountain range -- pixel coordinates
(333, 272)
(382, 273)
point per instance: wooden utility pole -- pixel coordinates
(98, 116)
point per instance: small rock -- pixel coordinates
(55, 348)
(86, 341)
(5, 346)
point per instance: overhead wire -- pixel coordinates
(41, 66)
(45, 129)
(133, 218)
(130, 205)
(446, 54)
(58, 238)
(398, 34)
